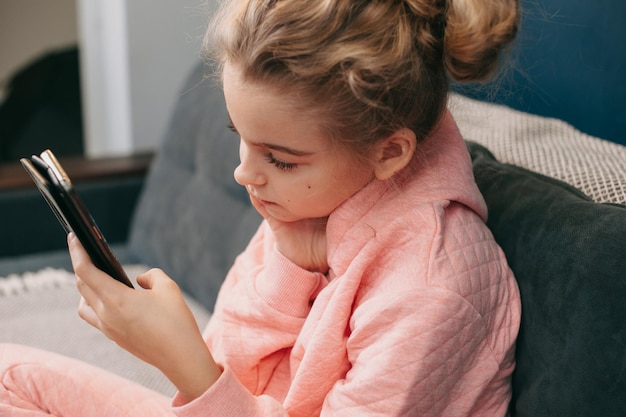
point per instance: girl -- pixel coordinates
(373, 286)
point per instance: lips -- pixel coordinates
(257, 198)
(264, 202)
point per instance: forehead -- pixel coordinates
(278, 93)
(283, 116)
(266, 113)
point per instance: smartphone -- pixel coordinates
(57, 189)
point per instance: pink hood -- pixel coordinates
(441, 171)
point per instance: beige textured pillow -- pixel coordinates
(549, 146)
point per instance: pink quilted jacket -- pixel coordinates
(418, 315)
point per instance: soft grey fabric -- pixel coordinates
(193, 218)
(567, 253)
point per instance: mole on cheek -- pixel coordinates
(308, 186)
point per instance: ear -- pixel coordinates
(394, 153)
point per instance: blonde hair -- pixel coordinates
(368, 67)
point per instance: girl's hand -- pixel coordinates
(303, 242)
(154, 324)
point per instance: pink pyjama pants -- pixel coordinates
(35, 383)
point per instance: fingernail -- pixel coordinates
(70, 237)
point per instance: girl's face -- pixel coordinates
(287, 165)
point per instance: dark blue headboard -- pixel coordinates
(568, 62)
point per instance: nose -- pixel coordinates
(248, 172)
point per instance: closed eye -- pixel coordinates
(282, 165)
(278, 163)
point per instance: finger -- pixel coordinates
(87, 313)
(156, 279)
(87, 294)
(81, 286)
(100, 282)
(148, 278)
(81, 262)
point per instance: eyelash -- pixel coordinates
(282, 165)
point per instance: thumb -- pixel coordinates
(148, 279)
(153, 278)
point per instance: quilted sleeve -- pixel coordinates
(265, 299)
(419, 354)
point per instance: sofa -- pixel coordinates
(557, 206)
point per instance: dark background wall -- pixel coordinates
(569, 62)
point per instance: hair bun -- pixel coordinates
(476, 32)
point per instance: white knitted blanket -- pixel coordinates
(39, 309)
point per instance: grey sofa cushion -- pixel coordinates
(567, 253)
(193, 218)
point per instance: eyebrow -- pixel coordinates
(283, 149)
(274, 147)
